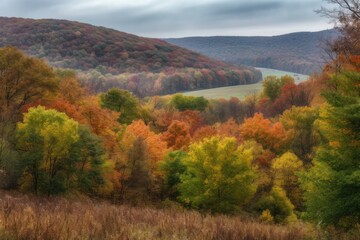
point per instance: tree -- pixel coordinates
(183, 103)
(22, 80)
(279, 206)
(121, 101)
(285, 169)
(219, 176)
(173, 167)
(69, 87)
(272, 85)
(291, 95)
(177, 136)
(346, 15)
(332, 185)
(88, 154)
(299, 122)
(45, 138)
(143, 151)
(270, 136)
(137, 185)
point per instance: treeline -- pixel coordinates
(168, 82)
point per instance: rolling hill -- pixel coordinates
(109, 58)
(296, 52)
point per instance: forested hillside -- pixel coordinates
(111, 58)
(297, 52)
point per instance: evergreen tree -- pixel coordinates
(333, 184)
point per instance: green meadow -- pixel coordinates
(242, 91)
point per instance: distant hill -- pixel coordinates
(296, 52)
(109, 58)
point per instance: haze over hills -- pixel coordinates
(111, 58)
(300, 52)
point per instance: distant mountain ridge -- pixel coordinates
(147, 66)
(299, 52)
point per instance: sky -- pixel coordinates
(180, 18)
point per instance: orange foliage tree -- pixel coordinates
(154, 149)
(178, 135)
(270, 136)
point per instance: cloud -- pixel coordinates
(169, 18)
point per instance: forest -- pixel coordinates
(283, 164)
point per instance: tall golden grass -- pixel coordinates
(30, 217)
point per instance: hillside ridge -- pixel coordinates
(299, 52)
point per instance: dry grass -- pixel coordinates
(24, 217)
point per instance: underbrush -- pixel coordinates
(31, 217)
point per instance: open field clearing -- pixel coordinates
(242, 91)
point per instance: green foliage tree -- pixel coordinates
(219, 176)
(280, 207)
(173, 167)
(299, 122)
(272, 85)
(184, 103)
(332, 185)
(45, 138)
(88, 154)
(122, 101)
(285, 169)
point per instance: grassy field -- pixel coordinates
(243, 90)
(30, 217)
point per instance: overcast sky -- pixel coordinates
(180, 18)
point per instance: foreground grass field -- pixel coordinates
(243, 90)
(24, 217)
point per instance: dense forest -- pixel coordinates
(72, 163)
(301, 52)
(109, 58)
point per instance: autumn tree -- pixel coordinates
(23, 80)
(45, 138)
(138, 139)
(272, 85)
(270, 136)
(291, 95)
(69, 87)
(137, 185)
(177, 135)
(229, 129)
(219, 177)
(346, 15)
